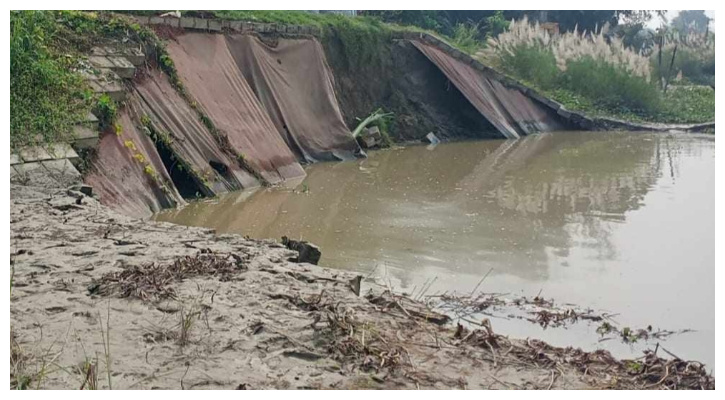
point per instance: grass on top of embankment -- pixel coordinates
(360, 36)
(47, 48)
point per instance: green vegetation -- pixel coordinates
(518, 62)
(491, 22)
(361, 37)
(694, 59)
(46, 98)
(465, 37)
(693, 104)
(163, 142)
(619, 84)
(382, 121)
(612, 86)
(47, 94)
(106, 110)
(594, 75)
(496, 24)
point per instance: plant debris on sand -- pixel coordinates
(230, 312)
(646, 372)
(151, 281)
(360, 343)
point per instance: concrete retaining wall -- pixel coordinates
(221, 25)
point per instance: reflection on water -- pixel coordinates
(615, 221)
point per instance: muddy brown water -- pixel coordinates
(616, 222)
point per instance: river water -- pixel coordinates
(615, 222)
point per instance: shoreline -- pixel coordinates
(263, 322)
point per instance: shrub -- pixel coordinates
(601, 70)
(610, 85)
(361, 38)
(465, 37)
(496, 24)
(520, 60)
(695, 58)
(106, 110)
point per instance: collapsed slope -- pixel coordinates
(242, 109)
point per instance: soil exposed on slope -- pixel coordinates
(401, 80)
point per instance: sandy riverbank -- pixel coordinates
(223, 311)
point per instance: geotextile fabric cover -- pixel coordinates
(294, 84)
(509, 110)
(128, 173)
(190, 140)
(213, 80)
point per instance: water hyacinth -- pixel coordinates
(568, 46)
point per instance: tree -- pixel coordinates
(445, 21)
(691, 21)
(590, 20)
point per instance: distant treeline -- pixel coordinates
(446, 21)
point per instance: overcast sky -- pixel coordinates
(655, 22)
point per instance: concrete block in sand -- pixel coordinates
(61, 170)
(306, 252)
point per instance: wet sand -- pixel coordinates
(273, 324)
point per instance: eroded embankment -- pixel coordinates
(102, 300)
(234, 112)
(238, 109)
